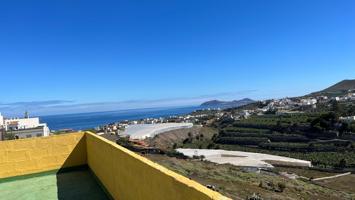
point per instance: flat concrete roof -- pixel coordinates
(74, 184)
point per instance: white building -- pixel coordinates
(245, 114)
(309, 102)
(348, 119)
(21, 123)
(24, 127)
(1, 121)
(322, 98)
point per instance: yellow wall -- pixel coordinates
(125, 175)
(27, 156)
(128, 176)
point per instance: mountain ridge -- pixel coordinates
(338, 88)
(227, 104)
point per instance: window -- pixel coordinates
(39, 135)
(28, 136)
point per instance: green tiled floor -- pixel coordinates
(78, 184)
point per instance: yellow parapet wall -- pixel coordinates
(27, 156)
(124, 174)
(128, 176)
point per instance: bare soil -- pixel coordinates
(236, 183)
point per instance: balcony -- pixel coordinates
(86, 166)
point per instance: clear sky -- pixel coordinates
(107, 55)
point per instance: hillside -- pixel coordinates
(227, 104)
(338, 88)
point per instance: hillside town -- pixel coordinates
(294, 105)
(26, 127)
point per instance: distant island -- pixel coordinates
(227, 104)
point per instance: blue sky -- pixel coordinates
(108, 55)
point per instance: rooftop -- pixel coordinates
(86, 166)
(73, 184)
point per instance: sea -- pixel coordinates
(82, 121)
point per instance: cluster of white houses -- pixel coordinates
(22, 127)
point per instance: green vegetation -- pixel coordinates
(319, 159)
(9, 136)
(309, 133)
(236, 183)
(316, 136)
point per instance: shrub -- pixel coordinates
(174, 146)
(281, 186)
(176, 154)
(254, 197)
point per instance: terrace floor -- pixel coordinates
(75, 184)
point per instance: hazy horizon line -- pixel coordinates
(57, 107)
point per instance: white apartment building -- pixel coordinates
(24, 127)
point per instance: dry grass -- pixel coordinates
(305, 172)
(237, 184)
(344, 183)
(166, 140)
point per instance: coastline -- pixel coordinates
(82, 121)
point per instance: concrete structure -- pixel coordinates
(348, 119)
(24, 127)
(123, 174)
(244, 159)
(21, 123)
(1, 121)
(39, 131)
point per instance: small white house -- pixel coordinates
(309, 102)
(24, 127)
(21, 123)
(245, 114)
(348, 119)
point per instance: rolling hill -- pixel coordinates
(338, 89)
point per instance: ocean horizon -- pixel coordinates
(82, 121)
